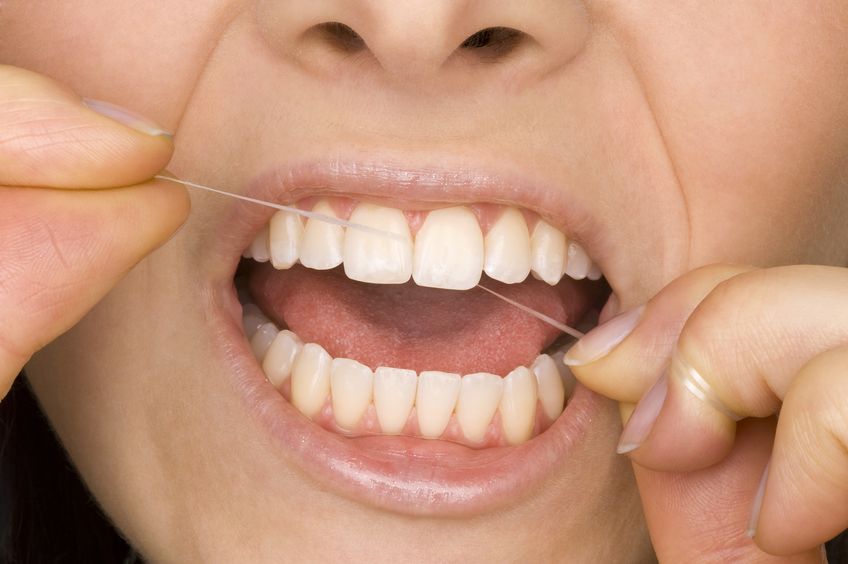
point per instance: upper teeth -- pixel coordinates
(448, 251)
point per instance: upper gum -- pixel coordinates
(487, 213)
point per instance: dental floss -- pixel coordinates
(298, 211)
(367, 228)
(537, 314)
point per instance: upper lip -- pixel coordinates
(425, 181)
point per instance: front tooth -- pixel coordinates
(518, 405)
(252, 319)
(569, 382)
(321, 246)
(310, 379)
(579, 263)
(260, 250)
(394, 394)
(286, 233)
(594, 272)
(479, 397)
(449, 250)
(281, 357)
(437, 395)
(262, 339)
(374, 258)
(548, 251)
(351, 384)
(508, 248)
(550, 387)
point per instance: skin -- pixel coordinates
(689, 134)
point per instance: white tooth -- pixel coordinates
(262, 339)
(594, 272)
(569, 382)
(394, 394)
(579, 263)
(518, 405)
(508, 248)
(351, 384)
(479, 398)
(437, 395)
(310, 379)
(281, 357)
(550, 387)
(377, 259)
(286, 233)
(449, 250)
(259, 248)
(252, 319)
(321, 246)
(547, 250)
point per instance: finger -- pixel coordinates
(736, 356)
(49, 137)
(622, 358)
(62, 251)
(702, 516)
(805, 500)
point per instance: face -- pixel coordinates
(657, 136)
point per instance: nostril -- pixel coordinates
(494, 41)
(341, 36)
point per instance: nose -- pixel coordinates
(417, 40)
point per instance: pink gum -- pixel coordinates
(487, 214)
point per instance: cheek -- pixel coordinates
(751, 104)
(143, 55)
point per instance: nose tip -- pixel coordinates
(417, 40)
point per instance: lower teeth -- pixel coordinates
(342, 394)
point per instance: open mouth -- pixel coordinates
(412, 385)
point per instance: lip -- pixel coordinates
(405, 475)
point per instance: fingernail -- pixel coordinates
(126, 117)
(757, 506)
(642, 419)
(598, 342)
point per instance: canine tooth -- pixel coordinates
(518, 405)
(351, 385)
(321, 246)
(394, 394)
(449, 250)
(569, 382)
(262, 339)
(508, 248)
(260, 250)
(281, 356)
(286, 233)
(594, 272)
(548, 252)
(252, 319)
(437, 395)
(310, 379)
(479, 398)
(374, 258)
(550, 387)
(578, 263)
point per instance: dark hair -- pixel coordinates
(46, 513)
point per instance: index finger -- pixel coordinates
(49, 137)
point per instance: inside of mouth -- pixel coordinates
(400, 357)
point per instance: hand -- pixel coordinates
(67, 235)
(751, 364)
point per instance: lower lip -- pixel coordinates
(401, 474)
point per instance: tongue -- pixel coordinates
(406, 326)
